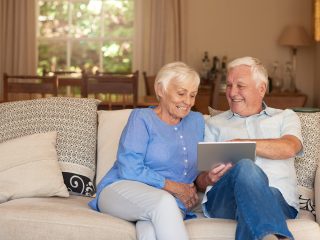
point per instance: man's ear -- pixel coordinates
(262, 87)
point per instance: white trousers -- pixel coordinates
(156, 212)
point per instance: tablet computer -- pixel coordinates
(211, 154)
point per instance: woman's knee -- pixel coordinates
(166, 200)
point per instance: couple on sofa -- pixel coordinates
(154, 181)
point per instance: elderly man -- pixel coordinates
(260, 195)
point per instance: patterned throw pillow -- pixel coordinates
(306, 166)
(75, 121)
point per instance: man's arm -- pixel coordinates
(284, 147)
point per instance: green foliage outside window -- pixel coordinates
(85, 35)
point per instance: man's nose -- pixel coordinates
(233, 91)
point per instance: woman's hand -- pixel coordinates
(207, 178)
(186, 193)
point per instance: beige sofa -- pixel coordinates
(70, 217)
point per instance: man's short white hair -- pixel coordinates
(258, 71)
(176, 71)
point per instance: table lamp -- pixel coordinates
(294, 36)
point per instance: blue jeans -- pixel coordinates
(244, 194)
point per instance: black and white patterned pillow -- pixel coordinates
(306, 166)
(75, 121)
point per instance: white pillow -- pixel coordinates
(110, 126)
(29, 168)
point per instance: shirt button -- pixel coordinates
(181, 136)
(175, 128)
(184, 148)
(185, 173)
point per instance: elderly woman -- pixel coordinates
(151, 182)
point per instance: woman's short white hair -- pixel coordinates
(258, 71)
(175, 71)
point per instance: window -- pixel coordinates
(85, 35)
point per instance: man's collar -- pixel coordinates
(265, 110)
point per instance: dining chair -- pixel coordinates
(115, 91)
(70, 82)
(149, 83)
(22, 87)
(208, 95)
(214, 93)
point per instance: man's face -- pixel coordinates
(243, 93)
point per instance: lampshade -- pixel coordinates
(294, 36)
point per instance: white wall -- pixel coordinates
(250, 28)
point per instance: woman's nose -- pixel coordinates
(187, 100)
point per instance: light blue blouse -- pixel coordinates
(151, 151)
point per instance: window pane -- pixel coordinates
(118, 19)
(53, 18)
(86, 19)
(52, 55)
(85, 54)
(117, 56)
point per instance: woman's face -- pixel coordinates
(179, 98)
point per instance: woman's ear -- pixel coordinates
(159, 90)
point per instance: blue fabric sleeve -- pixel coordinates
(132, 150)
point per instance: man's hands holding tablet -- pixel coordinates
(212, 176)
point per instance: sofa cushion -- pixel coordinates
(111, 124)
(205, 228)
(29, 168)
(74, 119)
(59, 218)
(70, 218)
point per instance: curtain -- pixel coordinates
(18, 47)
(159, 35)
(317, 20)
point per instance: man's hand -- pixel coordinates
(216, 173)
(187, 193)
(207, 178)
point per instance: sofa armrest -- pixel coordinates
(317, 194)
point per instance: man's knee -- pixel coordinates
(246, 169)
